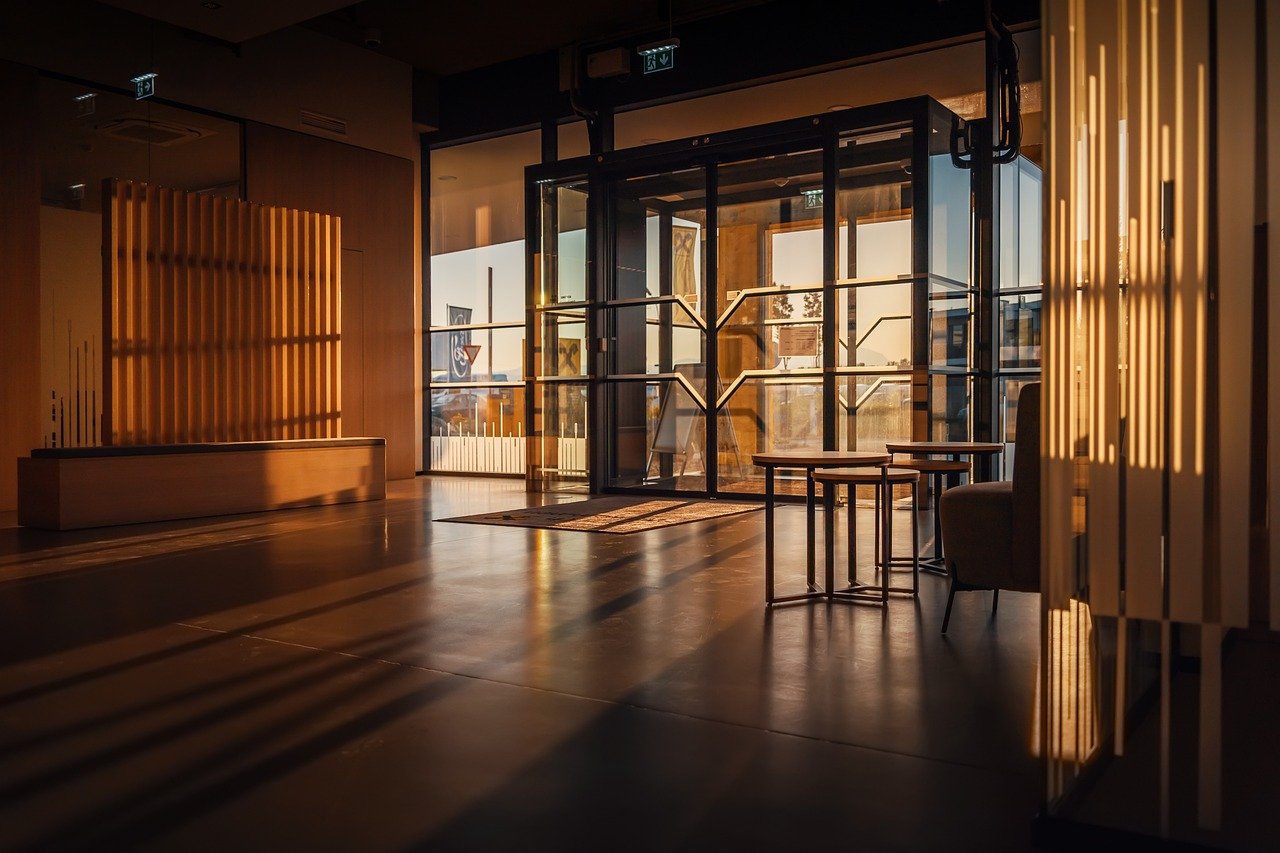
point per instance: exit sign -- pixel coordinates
(812, 198)
(660, 59)
(144, 86)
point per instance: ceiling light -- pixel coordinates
(446, 177)
(209, 4)
(658, 46)
(649, 140)
(835, 108)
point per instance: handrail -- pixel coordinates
(858, 345)
(674, 376)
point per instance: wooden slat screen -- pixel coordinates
(221, 319)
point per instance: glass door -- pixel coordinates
(769, 323)
(654, 322)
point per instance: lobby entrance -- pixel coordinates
(803, 285)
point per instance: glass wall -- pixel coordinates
(1018, 296)
(477, 318)
(560, 329)
(874, 288)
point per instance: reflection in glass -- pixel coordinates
(949, 407)
(1020, 330)
(949, 331)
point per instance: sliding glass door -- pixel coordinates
(802, 286)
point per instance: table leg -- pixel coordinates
(768, 534)
(810, 526)
(886, 506)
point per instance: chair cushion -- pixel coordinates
(977, 523)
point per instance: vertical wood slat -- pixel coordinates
(1235, 141)
(220, 319)
(1273, 304)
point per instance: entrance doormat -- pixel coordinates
(612, 514)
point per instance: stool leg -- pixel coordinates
(915, 537)
(829, 534)
(876, 561)
(853, 535)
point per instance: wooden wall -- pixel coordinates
(373, 194)
(221, 317)
(20, 410)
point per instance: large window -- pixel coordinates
(477, 320)
(1018, 292)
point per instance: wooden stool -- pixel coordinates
(939, 470)
(883, 480)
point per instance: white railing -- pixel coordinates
(486, 451)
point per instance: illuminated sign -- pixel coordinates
(659, 55)
(144, 85)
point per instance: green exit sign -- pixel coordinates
(144, 85)
(659, 55)
(661, 60)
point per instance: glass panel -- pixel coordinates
(777, 413)
(1020, 330)
(669, 451)
(560, 422)
(562, 343)
(875, 195)
(477, 277)
(477, 355)
(477, 430)
(562, 267)
(877, 320)
(1020, 224)
(770, 238)
(949, 331)
(949, 407)
(1010, 388)
(656, 216)
(874, 410)
(667, 343)
(771, 331)
(949, 222)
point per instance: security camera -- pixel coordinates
(373, 38)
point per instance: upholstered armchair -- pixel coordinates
(991, 531)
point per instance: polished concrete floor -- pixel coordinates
(367, 678)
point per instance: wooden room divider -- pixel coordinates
(221, 319)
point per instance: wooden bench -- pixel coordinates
(69, 488)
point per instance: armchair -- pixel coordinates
(991, 531)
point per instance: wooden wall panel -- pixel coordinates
(191, 358)
(373, 194)
(20, 398)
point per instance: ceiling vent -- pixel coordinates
(328, 124)
(133, 128)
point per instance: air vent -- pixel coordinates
(151, 131)
(328, 124)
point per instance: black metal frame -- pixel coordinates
(928, 122)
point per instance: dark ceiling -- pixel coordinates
(448, 36)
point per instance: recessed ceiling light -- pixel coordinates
(209, 4)
(446, 177)
(649, 140)
(835, 108)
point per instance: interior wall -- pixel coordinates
(19, 276)
(70, 325)
(373, 193)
